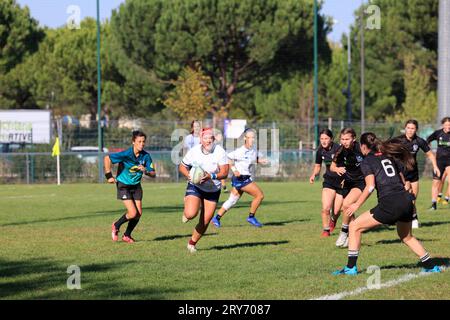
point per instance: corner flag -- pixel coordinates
(55, 150)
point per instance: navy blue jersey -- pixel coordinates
(350, 159)
(128, 172)
(443, 143)
(326, 156)
(387, 174)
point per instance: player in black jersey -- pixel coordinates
(414, 143)
(381, 172)
(442, 158)
(346, 163)
(331, 180)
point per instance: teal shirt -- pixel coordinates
(128, 172)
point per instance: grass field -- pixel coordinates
(46, 228)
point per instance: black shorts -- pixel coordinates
(192, 190)
(129, 192)
(442, 163)
(395, 208)
(412, 176)
(349, 185)
(333, 184)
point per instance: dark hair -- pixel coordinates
(445, 119)
(412, 121)
(138, 133)
(327, 132)
(348, 131)
(192, 125)
(345, 131)
(392, 148)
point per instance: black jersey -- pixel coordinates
(386, 172)
(443, 143)
(326, 156)
(350, 159)
(413, 146)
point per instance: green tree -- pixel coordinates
(63, 74)
(192, 97)
(421, 101)
(405, 29)
(239, 43)
(19, 34)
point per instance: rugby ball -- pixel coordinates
(196, 174)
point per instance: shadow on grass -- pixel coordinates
(440, 261)
(178, 236)
(433, 223)
(42, 278)
(398, 241)
(282, 223)
(118, 213)
(266, 224)
(248, 245)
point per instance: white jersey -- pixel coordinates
(191, 141)
(244, 159)
(208, 162)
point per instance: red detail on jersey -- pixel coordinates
(378, 154)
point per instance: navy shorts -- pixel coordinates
(129, 192)
(192, 190)
(241, 181)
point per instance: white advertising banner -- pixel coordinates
(25, 126)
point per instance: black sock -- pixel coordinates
(440, 195)
(352, 258)
(426, 261)
(131, 225)
(345, 228)
(121, 221)
(433, 204)
(251, 215)
(218, 217)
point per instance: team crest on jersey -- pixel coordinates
(415, 148)
(359, 158)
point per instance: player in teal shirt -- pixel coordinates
(133, 164)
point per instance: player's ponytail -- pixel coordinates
(392, 148)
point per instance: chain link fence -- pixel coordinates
(291, 155)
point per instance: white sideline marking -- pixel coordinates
(391, 283)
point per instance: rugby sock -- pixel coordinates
(345, 228)
(352, 258)
(218, 217)
(433, 204)
(121, 221)
(191, 242)
(426, 261)
(131, 225)
(251, 215)
(447, 199)
(440, 195)
(327, 230)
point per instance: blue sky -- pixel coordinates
(53, 13)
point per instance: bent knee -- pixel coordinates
(132, 214)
